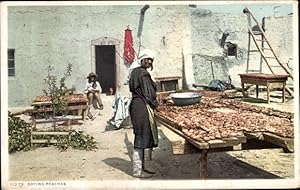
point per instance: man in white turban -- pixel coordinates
(137, 63)
(141, 109)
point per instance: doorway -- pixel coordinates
(106, 67)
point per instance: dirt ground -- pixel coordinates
(112, 159)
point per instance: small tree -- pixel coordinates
(55, 91)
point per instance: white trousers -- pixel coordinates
(138, 161)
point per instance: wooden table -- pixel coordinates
(248, 139)
(191, 146)
(163, 81)
(43, 104)
(268, 80)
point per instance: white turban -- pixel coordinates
(146, 53)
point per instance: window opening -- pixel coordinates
(11, 62)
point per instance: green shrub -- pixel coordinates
(77, 140)
(18, 134)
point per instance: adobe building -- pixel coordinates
(189, 42)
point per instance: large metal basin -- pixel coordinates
(186, 98)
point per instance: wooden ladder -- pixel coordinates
(265, 49)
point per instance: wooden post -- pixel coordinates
(163, 86)
(31, 137)
(203, 164)
(257, 91)
(79, 112)
(248, 54)
(283, 92)
(176, 85)
(33, 120)
(54, 124)
(84, 114)
(69, 124)
(243, 89)
(268, 92)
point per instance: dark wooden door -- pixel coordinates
(106, 67)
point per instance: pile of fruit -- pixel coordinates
(205, 121)
(69, 98)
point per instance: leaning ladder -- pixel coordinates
(264, 47)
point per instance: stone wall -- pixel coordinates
(209, 56)
(58, 35)
(189, 42)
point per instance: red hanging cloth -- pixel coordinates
(128, 46)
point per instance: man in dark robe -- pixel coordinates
(141, 109)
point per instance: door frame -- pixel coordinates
(107, 41)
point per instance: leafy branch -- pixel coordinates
(20, 136)
(56, 91)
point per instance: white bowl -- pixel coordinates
(185, 98)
